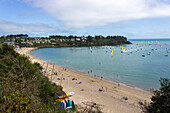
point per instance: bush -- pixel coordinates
(23, 86)
(161, 99)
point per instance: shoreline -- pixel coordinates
(107, 80)
(113, 93)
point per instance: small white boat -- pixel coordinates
(148, 53)
(122, 51)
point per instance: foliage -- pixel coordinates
(23, 86)
(161, 99)
(57, 40)
(19, 102)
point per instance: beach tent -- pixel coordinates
(61, 94)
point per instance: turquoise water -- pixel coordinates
(128, 68)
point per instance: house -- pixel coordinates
(72, 39)
(84, 38)
(77, 39)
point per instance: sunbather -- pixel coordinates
(101, 90)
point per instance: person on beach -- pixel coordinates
(88, 72)
(91, 70)
(54, 72)
(151, 89)
(118, 84)
(125, 98)
(95, 75)
(101, 90)
(101, 77)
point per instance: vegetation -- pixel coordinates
(23, 40)
(23, 87)
(161, 99)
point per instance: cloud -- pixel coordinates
(152, 34)
(84, 13)
(7, 27)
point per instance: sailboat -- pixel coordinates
(112, 52)
(123, 50)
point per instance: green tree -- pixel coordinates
(161, 99)
(23, 87)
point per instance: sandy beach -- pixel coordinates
(109, 101)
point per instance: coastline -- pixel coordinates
(110, 101)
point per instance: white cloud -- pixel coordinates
(83, 13)
(7, 27)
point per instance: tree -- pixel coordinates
(23, 87)
(161, 99)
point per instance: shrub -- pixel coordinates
(23, 86)
(161, 99)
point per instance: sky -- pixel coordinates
(135, 19)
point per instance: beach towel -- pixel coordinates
(78, 82)
(82, 89)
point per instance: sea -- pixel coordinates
(139, 65)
